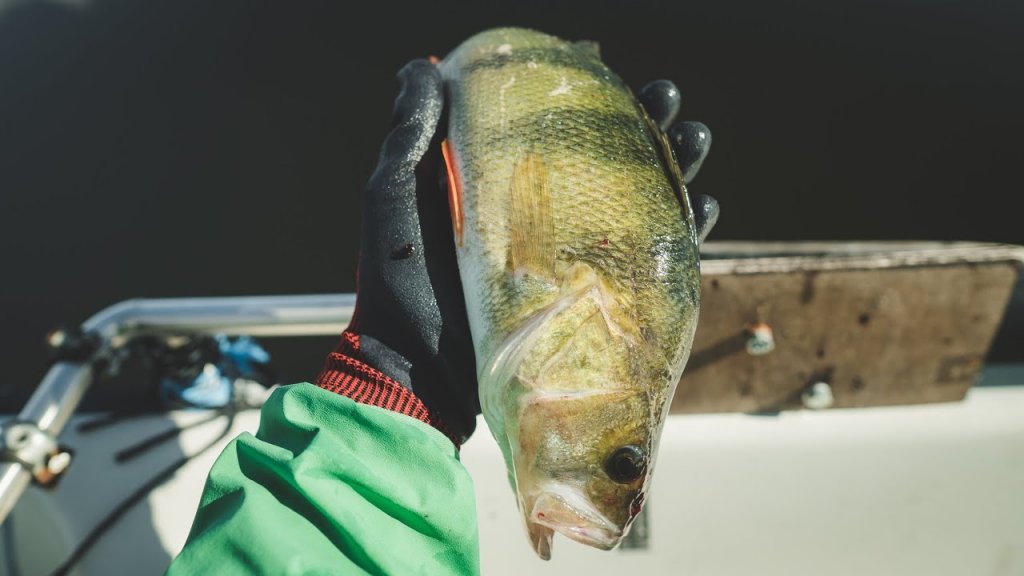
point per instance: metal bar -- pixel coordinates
(307, 315)
(61, 390)
(13, 481)
(729, 258)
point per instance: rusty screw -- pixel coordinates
(760, 339)
(817, 396)
(58, 463)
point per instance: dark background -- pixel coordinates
(187, 147)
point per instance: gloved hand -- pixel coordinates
(408, 347)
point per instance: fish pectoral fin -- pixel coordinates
(532, 247)
(454, 189)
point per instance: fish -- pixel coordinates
(578, 257)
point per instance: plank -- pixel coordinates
(880, 323)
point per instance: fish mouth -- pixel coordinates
(572, 516)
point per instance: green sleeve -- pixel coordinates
(329, 486)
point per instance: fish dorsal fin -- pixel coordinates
(668, 158)
(588, 47)
(532, 249)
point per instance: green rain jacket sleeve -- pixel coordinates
(329, 486)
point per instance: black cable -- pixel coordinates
(108, 420)
(104, 525)
(138, 449)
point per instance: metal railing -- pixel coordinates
(61, 390)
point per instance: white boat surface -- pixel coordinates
(928, 489)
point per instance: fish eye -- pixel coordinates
(626, 464)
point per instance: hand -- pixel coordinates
(410, 322)
(410, 330)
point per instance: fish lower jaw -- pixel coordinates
(590, 535)
(542, 532)
(552, 514)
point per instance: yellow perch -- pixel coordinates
(578, 256)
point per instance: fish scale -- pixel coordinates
(579, 265)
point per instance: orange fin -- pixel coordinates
(532, 250)
(454, 190)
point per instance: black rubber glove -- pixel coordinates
(411, 315)
(410, 321)
(690, 143)
(410, 326)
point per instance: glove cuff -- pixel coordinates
(345, 372)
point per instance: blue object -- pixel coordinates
(212, 387)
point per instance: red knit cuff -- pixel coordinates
(347, 374)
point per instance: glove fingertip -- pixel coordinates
(662, 100)
(420, 78)
(691, 142)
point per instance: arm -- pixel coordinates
(331, 486)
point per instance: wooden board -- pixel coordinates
(880, 323)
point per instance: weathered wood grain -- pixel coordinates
(881, 323)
